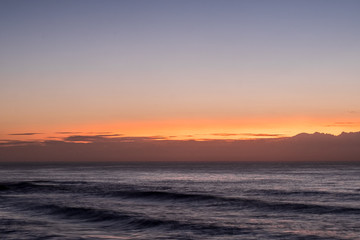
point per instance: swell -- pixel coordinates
(278, 192)
(85, 186)
(238, 202)
(305, 193)
(178, 197)
(134, 191)
(132, 220)
(33, 186)
(121, 220)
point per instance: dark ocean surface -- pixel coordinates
(181, 201)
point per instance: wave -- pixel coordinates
(26, 187)
(162, 195)
(15, 185)
(278, 192)
(180, 197)
(39, 185)
(133, 220)
(239, 202)
(303, 193)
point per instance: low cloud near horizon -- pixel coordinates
(247, 134)
(115, 147)
(23, 134)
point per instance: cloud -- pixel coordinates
(24, 134)
(98, 132)
(110, 135)
(8, 143)
(109, 138)
(88, 138)
(225, 134)
(247, 134)
(68, 132)
(77, 148)
(87, 133)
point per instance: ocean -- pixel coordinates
(180, 201)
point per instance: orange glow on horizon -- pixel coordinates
(196, 129)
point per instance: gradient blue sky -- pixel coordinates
(106, 64)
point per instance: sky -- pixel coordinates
(178, 69)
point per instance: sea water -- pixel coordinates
(180, 201)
